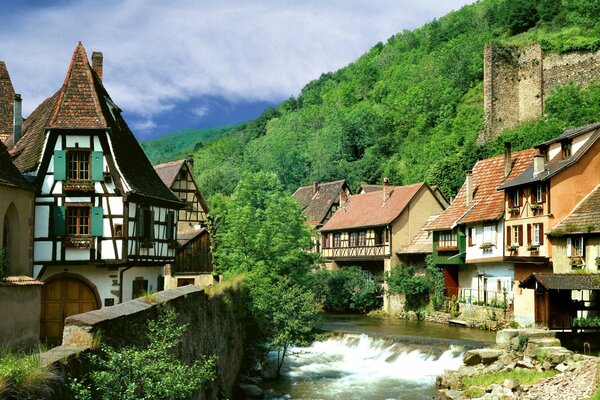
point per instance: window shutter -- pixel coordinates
(140, 223)
(97, 166)
(520, 228)
(470, 237)
(543, 192)
(151, 225)
(509, 235)
(511, 203)
(59, 223)
(569, 249)
(523, 197)
(60, 165)
(541, 234)
(170, 223)
(97, 222)
(581, 246)
(529, 233)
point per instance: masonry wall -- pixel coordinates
(517, 82)
(216, 327)
(16, 208)
(20, 313)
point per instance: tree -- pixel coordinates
(261, 232)
(152, 372)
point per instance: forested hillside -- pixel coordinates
(411, 108)
(178, 144)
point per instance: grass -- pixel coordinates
(525, 377)
(473, 392)
(220, 287)
(25, 377)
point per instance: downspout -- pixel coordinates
(121, 283)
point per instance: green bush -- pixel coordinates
(347, 289)
(25, 377)
(586, 321)
(416, 288)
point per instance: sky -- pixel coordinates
(174, 64)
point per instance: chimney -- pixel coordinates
(469, 193)
(539, 164)
(18, 119)
(97, 63)
(386, 183)
(190, 160)
(315, 187)
(507, 159)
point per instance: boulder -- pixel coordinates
(449, 380)
(502, 393)
(534, 344)
(556, 355)
(524, 363)
(452, 394)
(561, 367)
(512, 384)
(485, 356)
(505, 336)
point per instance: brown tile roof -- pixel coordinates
(368, 209)
(316, 205)
(422, 243)
(563, 281)
(369, 188)
(7, 98)
(488, 202)
(557, 163)
(585, 217)
(82, 102)
(9, 174)
(167, 172)
(184, 238)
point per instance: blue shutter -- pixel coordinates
(60, 165)
(97, 222)
(97, 166)
(59, 222)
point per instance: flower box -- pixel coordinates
(512, 247)
(79, 185)
(514, 210)
(78, 242)
(533, 247)
(486, 246)
(577, 262)
(536, 206)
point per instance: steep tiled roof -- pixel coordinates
(82, 102)
(369, 209)
(488, 202)
(557, 163)
(316, 205)
(7, 97)
(422, 243)
(184, 238)
(167, 172)
(369, 188)
(9, 174)
(585, 218)
(563, 281)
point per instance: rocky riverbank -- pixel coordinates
(525, 364)
(445, 318)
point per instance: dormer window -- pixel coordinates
(78, 165)
(565, 148)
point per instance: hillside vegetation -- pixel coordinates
(409, 109)
(177, 145)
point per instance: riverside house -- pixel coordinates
(468, 240)
(105, 224)
(193, 261)
(565, 171)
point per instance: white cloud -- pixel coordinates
(158, 53)
(200, 111)
(144, 125)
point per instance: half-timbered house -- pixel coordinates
(105, 223)
(193, 261)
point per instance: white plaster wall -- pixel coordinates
(42, 251)
(41, 221)
(468, 278)
(475, 252)
(149, 273)
(78, 141)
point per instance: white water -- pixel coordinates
(356, 366)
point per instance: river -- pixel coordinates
(374, 358)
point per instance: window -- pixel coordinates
(78, 165)
(362, 238)
(565, 148)
(516, 235)
(336, 240)
(379, 237)
(448, 239)
(78, 221)
(139, 287)
(575, 247)
(488, 234)
(472, 236)
(537, 234)
(325, 241)
(515, 198)
(353, 239)
(118, 230)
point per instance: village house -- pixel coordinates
(105, 224)
(468, 239)
(193, 261)
(565, 170)
(368, 230)
(319, 202)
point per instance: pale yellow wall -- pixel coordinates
(412, 219)
(20, 262)
(561, 261)
(524, 300)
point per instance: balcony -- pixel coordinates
(357, 252)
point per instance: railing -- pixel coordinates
(481, 297)
(358, 251)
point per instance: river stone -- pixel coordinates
(561, 367)
(252, 391)
(485, 356)
(556, 355)
(512, 384)
(452, 394)
(464, 370)
(502, 393)
(534, 344)
(504, 337)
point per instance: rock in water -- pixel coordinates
(485, 356)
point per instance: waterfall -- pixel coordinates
(357, 366)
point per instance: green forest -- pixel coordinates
(411, 108)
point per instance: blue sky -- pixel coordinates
(194, 63)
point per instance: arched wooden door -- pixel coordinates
(63, 296)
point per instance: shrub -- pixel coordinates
(347, 289)
(416, 288)
(25, 377)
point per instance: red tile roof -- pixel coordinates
(82, 102)
(488, 202)
(369, 209)
(7, 98)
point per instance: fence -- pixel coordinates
(480, 297)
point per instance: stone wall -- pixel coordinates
(216, 327)
(20, 299)
(517, 82)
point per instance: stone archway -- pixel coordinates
(64, 295)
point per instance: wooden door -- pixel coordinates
(541, 307)
(61, 298)
(451, 280)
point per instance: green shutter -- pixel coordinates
(60, 165)
(97, 166)
(170, 223)
(59, 223)
(97, 222)
(140, 223)
(151, 225)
